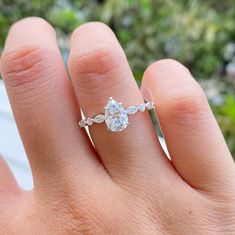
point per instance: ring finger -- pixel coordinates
(99, 69)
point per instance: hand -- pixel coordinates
(125, 184)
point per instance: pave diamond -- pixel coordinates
(132, 110)
(116, 117)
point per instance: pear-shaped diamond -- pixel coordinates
(116, 117)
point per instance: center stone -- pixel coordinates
(116, 117)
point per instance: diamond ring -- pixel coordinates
(115, 115)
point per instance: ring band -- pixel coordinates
(115, 115)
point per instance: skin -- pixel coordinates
(124, 183)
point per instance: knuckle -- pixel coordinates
(99, 59)
(77, 212)
(187, 109)
(81, 223)
(185, 105)
(95, 68)
(99, 62)
(27, 64)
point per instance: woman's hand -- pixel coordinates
(124, 184)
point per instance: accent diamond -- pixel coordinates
(149, 105)
(132, 110)
(89, 121)
(82, 123)
(141, 107)
(99, 118)
(116, 117)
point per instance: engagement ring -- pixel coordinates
(115, 115)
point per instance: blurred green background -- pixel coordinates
(198, 33)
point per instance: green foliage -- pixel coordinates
(226, 118)
(189, 31)
(13, 10)
(65, 19)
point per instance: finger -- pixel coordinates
(196, 145)
(43, 103)
(99, 69)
